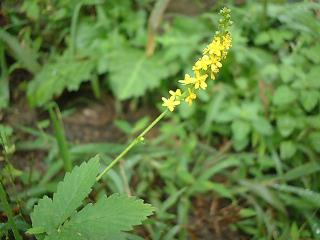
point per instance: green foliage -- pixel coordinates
(132, 73)
(58, 218)
(64, 73)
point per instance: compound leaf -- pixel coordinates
(106, 219)
(50, 214)
(54, 78)
(132, 73)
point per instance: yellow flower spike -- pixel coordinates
(209, 64)
(201, 82)
(187, 80)
(176, 93)
(170, 103)
(191, 97)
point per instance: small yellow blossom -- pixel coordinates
(202, 63)
(170, 103)
(175, 94)
(201, 82)
(187, 80)
(191, 96)
(227, 40)
(215, 47)
(213, 77)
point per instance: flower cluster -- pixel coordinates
(208, 64)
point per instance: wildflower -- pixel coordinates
(190, 97)
(175, 94)
(215, 47)
(187, 80)
(170, 103)
(201, 82)
(209, 63)
(226, 42)
(202, 63)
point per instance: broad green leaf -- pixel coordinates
(132, 73)
(313, 53)
(31, 9)
(240, 132)
(51, 213)
(287, 149)
(286, 124)
(283, 96)
(314, 139)
(262, 126)
(309, 99)
(313, 121)
(65, 73)
(262, 38)
(105, 219)
(25, 55)
(240, 129)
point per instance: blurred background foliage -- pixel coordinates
(241, 163)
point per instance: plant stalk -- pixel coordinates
(137, 140)
(61, 139)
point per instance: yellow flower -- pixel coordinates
(216, 61)
(175, 94)
(202, 63)
(170, 103)
(187, 80)
(226, 41)
(191, 96)
(213, 77)
(201, 82)
(215, 47)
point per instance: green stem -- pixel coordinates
(61, 139)
(8, 212)
(74, 22)
(137, 140)
(96, 87)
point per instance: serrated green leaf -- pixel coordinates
(309, 99)
(314, 139)
(240, 129)
(262, 126)
(106, 219)
(132, 73)
(49, 214)
(54, 78)
(287, 149)
(286, 124)
(283, 96)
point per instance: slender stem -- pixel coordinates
(132, 144)
(96, 87)
(61, 139)
(74, 22)
(8, 212)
